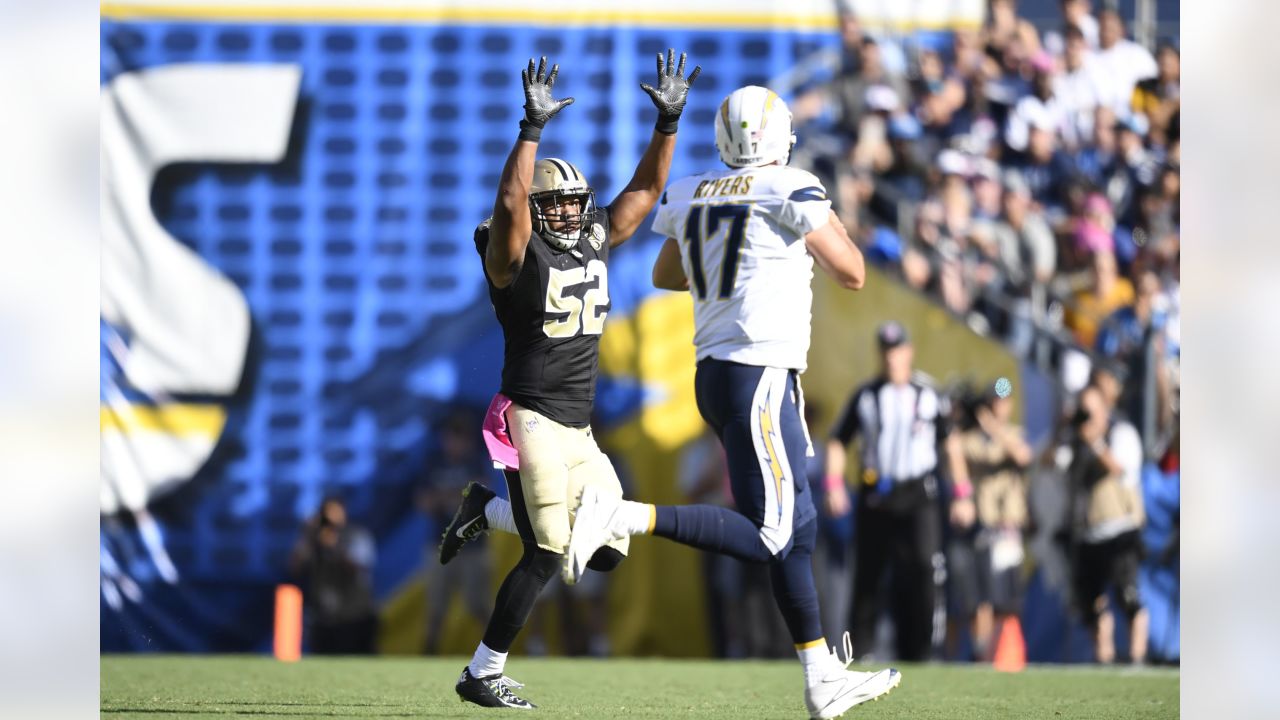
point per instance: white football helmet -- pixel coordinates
(754, 128)
(555, 181)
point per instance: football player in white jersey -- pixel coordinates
(743, 241)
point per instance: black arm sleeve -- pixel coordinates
(846, 427)
(942, 423)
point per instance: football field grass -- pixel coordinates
(259, 687)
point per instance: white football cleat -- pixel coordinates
(591, 528)
(840, 688)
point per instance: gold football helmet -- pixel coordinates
(557, 188)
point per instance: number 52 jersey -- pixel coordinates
(741, 235)
(552, 316)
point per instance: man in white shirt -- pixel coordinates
(1122, 61)
(1076, 14)
(1077, 90)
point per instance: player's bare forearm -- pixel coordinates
(835, 458)
(512, 225)
(668, 272)
(834, 251)
(637, 199)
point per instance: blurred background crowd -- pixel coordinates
(1027, 178)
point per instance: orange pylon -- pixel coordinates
(288, 629)
(1011, 649)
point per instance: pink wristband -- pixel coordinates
(832, 481)
(964, 491)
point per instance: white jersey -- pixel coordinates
(741, 234)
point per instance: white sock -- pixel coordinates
(634, 518)
(815, 661)
(487, 662)
(498, 512)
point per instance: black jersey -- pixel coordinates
(552, 316)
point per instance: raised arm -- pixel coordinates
(509, 233)
(836, 254)
(637, 199)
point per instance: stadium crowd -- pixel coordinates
(1028, 181)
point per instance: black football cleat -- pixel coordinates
(468, 522)
(493, 691)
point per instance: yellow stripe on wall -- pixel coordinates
(176, 419)
(467, 15)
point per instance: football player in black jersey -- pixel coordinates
(546, 253)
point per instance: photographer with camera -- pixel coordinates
(1106, 519)
(333, 560)
(984, 562)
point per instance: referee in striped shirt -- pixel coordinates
(901, 423)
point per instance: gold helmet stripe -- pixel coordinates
(768, 105)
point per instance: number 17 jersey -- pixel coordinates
(741, 235)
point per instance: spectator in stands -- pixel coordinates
(1158, 98)
(1076, 15)
(1039, 107)
(1094, 229)
(1077, 89)
(457, 461)
(1027, 259)
(850, 88)
(941, 100)
(904, 180)
(1122, 62)
(1107, 518)
(1134, 171)
(1046, 169)
(1106, 292)
(1133, 336)
(333, 560)
(1006, 30)
(937, 261)
(985, 563)
(1097, 160)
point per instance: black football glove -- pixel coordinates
(539, 106)
(672, 91)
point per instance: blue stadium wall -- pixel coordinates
(355, 255)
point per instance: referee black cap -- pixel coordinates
(891, 334)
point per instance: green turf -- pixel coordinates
(204, 686)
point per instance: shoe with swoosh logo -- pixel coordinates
(468, 522)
